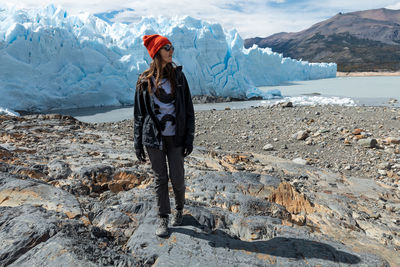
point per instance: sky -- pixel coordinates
(252, 18)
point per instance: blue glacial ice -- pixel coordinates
(51, 60)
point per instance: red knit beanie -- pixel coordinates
(154, 42)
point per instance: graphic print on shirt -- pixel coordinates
(157, 109)
(164, 108)
(164, 118)
(163, 96)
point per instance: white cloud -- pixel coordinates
(251, 18)
(394, 6)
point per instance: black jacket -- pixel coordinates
(147, 130)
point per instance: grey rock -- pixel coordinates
(300, 135)
(58, 169)
(382, 172)
(368, 142)
(33, 236)
(22, 228)
(286, 104)
(252, 206)
(16, 192)
(300, 161)
(4, 167)
(268, 147)
(193, 242)
(384, 166)
(93, 179)
(270, 180)
(396, 166)
(254, 227)
(55, 252)
(93, 172)
(112, 219)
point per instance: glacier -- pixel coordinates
(52, 60)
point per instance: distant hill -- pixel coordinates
(357, 41)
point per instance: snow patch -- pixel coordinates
(6, 111)
(319, 100)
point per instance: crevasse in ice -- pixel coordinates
(50, 59)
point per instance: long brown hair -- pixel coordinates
(156, 71)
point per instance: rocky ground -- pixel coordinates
(287, 186)
(358, 141)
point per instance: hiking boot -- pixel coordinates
(178, 218)
(162, 228)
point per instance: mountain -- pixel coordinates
(357, 41)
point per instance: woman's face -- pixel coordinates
(166, 56)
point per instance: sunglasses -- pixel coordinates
(168, 47)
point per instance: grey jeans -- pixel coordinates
(158, 159)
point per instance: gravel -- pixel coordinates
(324, 136)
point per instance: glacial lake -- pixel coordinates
(368, 91)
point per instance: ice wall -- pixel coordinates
(51, 60)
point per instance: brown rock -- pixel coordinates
(359, 136)
(392, 174)
(30, 173)
(101, 178)
(85, 220)
(119, 186)
(299, 219)
(5, 155)
(392, 140)
(11, 137)
(235, 158)
(310, 121)
(357, 131)
(124, 181)
(294, 202)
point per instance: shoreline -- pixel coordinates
(367, 74)
(197, 99)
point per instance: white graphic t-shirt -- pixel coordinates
(164, 105)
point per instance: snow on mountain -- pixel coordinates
(51, 60)
(109, 17)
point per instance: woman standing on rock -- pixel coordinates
(164, 124)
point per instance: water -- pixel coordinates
(376, 90)
(369, 91)
(111, 114)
